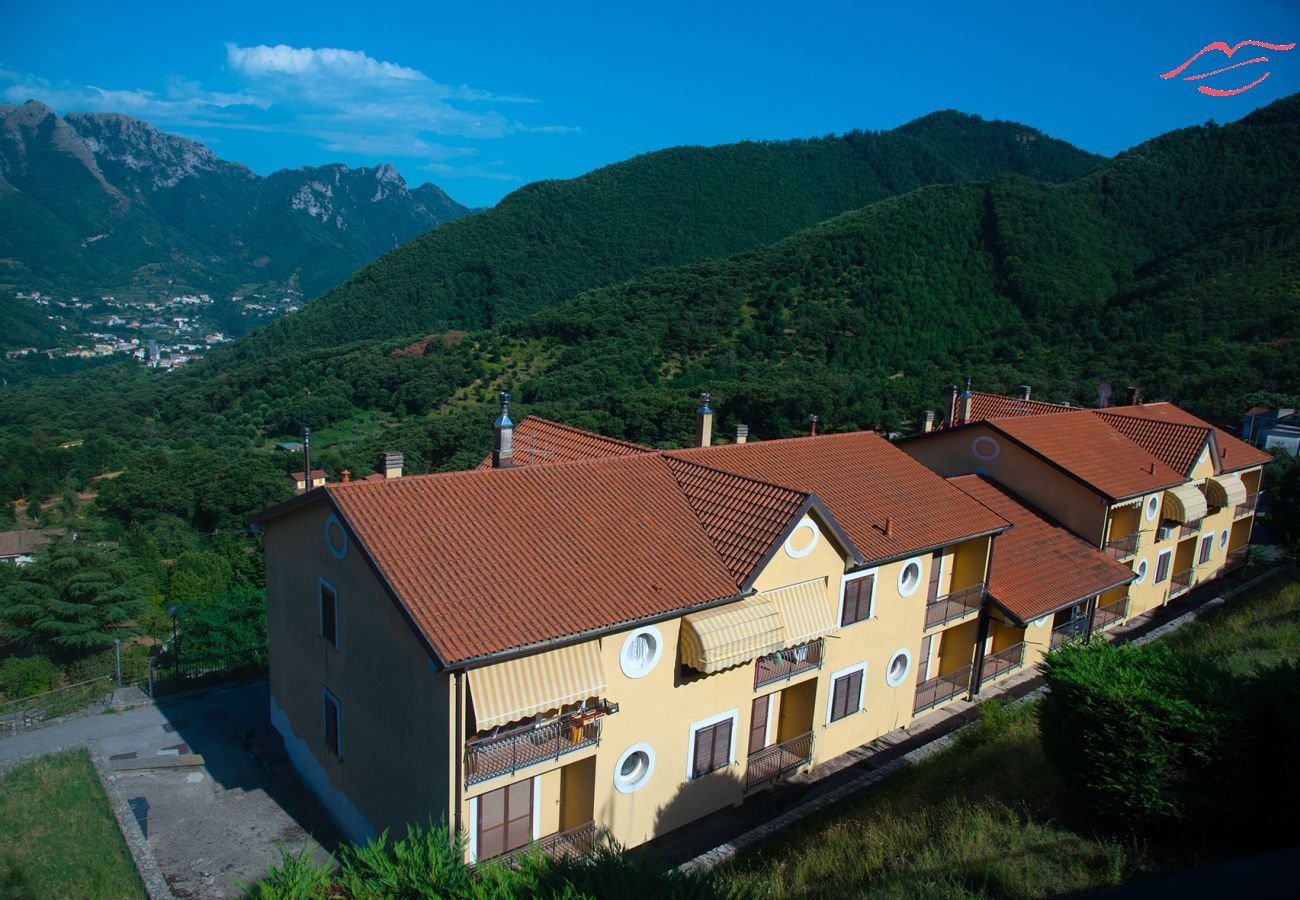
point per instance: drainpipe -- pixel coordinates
(1092, 614)
(981, 639)
(459, 749)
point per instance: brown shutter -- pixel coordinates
(1207, 544)
(839, 695)
(505, 819)
(936, 566)
(923, 660)
(703, 751)
(857, 600)
(853, 699)
(519, 814)
(1162, 567)
(758, 726)
(722, 744)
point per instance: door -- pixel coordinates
(758, 726)
(936, 572)
(505, 819)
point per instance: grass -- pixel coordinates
(60, 837)
(989, 817)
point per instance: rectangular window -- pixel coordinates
(846, 695)
(505, 819)
(1162, 566)
(333, 741)
(329, 613)
(712, 748)
(857, 599)
(1207, 544)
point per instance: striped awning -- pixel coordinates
(727, 636)
(518, 688)
(805, 610)
(1184, 503)
(1225, 490)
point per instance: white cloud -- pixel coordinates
(178, 104)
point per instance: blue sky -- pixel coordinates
(483, 97)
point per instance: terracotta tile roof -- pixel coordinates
(539, 441)
(995, 406)
(315, 473)
(1256, 410)
(1234, 453)
(26, 542)
(863, 480)
(487, 561)
(743, 517)
(1176, 444)
(1038, 566)
(1093, 452)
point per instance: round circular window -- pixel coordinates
(1140, 571)
(985, 447)
(1039, 623)
(1223, 539)
(336, 538)
(803, 539)
(898, 667)
(909, 577)
(641, 651)
(1153, 507)
(634, 768)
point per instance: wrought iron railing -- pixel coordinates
(1252, 502)
(1003, 661)
(38, 709)
(1237, 557)
(954, 605)
(770, 763)
(1067, 632)
(1123, 547)
(488, 757)
(940, 689)
(1107, 614)
(1189, 529)
(1180, 582)
(572, 844)
(787, 663)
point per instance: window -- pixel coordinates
(909, 577)
(1223, 539)
(1162, 566)
(505, 819)
(336, 539)
(856, 603)
(802, 539)
(1153, 507)
(898, 667)
(846, 693)
(329, 613)
(641, 651)
(1207, 546)
(634, 768)
(330, 707)
(1140, 571)
(711, 744)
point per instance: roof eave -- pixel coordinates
(811, 503)
(1022, 623)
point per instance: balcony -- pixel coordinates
(1180, 582)
(1108, 614)
(501, 754)
(1190, 529)
(1123, 547)
(954, 605)
(1237, 558)
(770, 764)
(787, 663)
(998, 664)
(572, 844)
(930, 694)
(1245, 509)
(1068, 632)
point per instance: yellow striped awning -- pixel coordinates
(805, 610)
(727, 636)
(1225, 490)
(513, 690)
(1184, 503)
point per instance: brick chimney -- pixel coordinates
(812, 424)
(1133, 397)
(704, 422)
(503, 453)
(390, 464)
(742, 434)
(1025, 391)
(927, 422)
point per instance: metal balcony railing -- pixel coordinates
(1068, 632)
(1108, 614)
(1252, 502)
(1189, 529)
(572, 844)
(771, 763)
(787, 663)
(488, 757)
(941, 689)
(1237, 557)
(1003, 661)
(1123, 547)
(1180, 582)
(954, 605)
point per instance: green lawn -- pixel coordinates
(58, 837)
(989, 817)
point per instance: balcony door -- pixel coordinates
(505, 819)
(758, 725)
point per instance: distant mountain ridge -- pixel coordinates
(105, 201)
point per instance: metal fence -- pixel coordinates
(31, 712)
(954, 605)
(770, 763)
(168, 674)
(489, 757)
(787, 663)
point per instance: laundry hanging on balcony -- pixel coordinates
(1184, 503)
(1225, 490)
(513, 690)
(727, 636)
(805, 610)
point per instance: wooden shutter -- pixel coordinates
(721, 744)
(505, 819)
(328, 614)
(758, 726)
(936, 571)
(1207, 545)
(1162, 567)
(857, 600)
(840, 697)
(923, 660)
(853, 700)
(703, 751)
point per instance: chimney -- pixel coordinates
(742, 434)
(964, 403)
(306, 459)
(812, 424)
(390, 464)
(1132, 392)
(503, 453)
(704, 422)
(1024, 391)
(889, 525)
(927, 423)
(347, 476)
(950, 418)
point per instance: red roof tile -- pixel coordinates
(863, 480)
(1234, 453)
(995, 406)
(1176, 444)
(1038, 566)
(539, 442)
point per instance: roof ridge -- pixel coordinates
(770, 441)
(585, 433)
(427, 476)
(670, 458)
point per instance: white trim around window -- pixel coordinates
(862, 689)
(472, 846)
(1140, 571)
(871, 602)
(1169, 572)
(629, 659)
(892, 678)
(734, 716)
(1150, 507)
(920, 576)
(537, 805)
(805, 524)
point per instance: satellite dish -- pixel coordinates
(1103, 395)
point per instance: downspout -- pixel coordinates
(458, 750)
(982, 635)
(1092, 614)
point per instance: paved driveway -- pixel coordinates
(214, 827)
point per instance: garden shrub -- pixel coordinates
(23, 676)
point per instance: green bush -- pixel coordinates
(1273, 714)
(996, 718)
(22, 676)
(135, 665)
(298, 877)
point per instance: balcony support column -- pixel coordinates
(981, 638)
(1091, 615)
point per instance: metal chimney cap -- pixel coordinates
(503, 420)
(705, 400)
(967, 392)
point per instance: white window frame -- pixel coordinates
(920, 577)
(1147, 512)
(805, 522)
(326, 696)
(631, 787)
(734, 716)
(625, 663)
(871, 601)
(1140, 570)
(1169, 573)
(907, 667)
(1200, 541)
(320, 624)
(862, 691)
